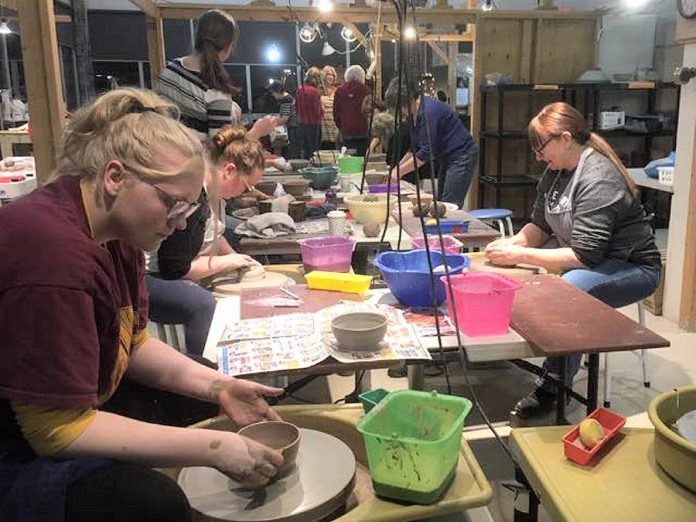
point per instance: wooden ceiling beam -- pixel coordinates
(148, 7)
(9, 4)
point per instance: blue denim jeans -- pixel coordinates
(455, 178)
(612, 282)
(184, 302)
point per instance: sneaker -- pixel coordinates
(538, 403)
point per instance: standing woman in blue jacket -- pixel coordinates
(589, 207)
(438, 134)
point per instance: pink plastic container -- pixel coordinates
(483, 302)
(451, 244)
(329, 254)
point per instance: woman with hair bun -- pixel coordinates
(199, 250)
(73, 311)
(199, 84)
(589, 206)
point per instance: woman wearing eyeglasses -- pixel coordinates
(73, 312)
(589, 206)
(199, 250)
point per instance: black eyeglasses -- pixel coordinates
(539, 150)
(176, 208)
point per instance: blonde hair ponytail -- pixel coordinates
(129, 125)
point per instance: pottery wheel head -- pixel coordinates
(254, 273)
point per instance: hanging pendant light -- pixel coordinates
(307, 33)
(487, 5)
(4, 28)
(328, 49)
(347, 34)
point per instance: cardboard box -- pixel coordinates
(654, 302)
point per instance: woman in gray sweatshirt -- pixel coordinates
(589, 205)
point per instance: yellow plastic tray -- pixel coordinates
(338, 282)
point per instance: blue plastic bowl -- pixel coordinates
(408, 277)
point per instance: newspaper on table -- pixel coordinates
(304, 339)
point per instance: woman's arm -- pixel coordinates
(552, 259)
(408, 164)
(158, 365)
(206, 266)
(529, 236)
(116, 437)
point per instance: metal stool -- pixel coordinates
(499, 215)
(167, 333)
(607, 368)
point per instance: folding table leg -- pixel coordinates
(561, 391)
(592, 382)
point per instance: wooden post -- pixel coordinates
(83, 54)
(44, 87)
(155, 47)
(377, 48)
(452, 49)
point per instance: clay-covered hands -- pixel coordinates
(240, 261)
(505, 253)
(242, 400)
(246, 461)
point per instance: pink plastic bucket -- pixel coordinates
(483, 301)
(330, 253)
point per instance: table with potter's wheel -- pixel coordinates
(469, 487)
(310, 492)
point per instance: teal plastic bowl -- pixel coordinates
(371, 398)
(320, 177)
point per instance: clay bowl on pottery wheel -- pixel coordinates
(266, 186)
(296, 187)
(359, 331)
(278, 435)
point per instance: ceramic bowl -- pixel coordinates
(368, 212)
(296, 187)
(266, 186)
(297, 164)
(278, 435)
(359, 331)
(675, 454)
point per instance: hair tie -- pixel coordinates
(139, 109)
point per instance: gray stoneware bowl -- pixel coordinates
(278, 435)
(359, 331)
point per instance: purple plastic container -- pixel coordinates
(382, 189)
(330, 253)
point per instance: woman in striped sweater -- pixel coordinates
(199, 84)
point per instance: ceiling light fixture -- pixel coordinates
(307, 33)
(273, 54)
(410, 33)
(488, 6)
(4, 28)
(328, 49)
(325, 6)
(347, 34)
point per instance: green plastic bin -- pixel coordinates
(350, 164)
(370, 398)
(412, 440)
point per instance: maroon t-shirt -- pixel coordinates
(347, 109)
(68, 305)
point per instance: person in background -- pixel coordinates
(309, 113)
(286, 110)
(329, 131)
(73, 311)
(347, 110)
(437, 134)
(199, 84)
(200, 250)
(382, 123)
(588, 204)
(442, 96)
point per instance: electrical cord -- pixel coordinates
(447, 275)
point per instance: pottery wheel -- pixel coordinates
(254, 278)
(313, 490)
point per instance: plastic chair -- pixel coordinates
(607, 367)
(500, 215)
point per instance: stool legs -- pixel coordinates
(643, 362)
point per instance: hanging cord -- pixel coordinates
(460, 348)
